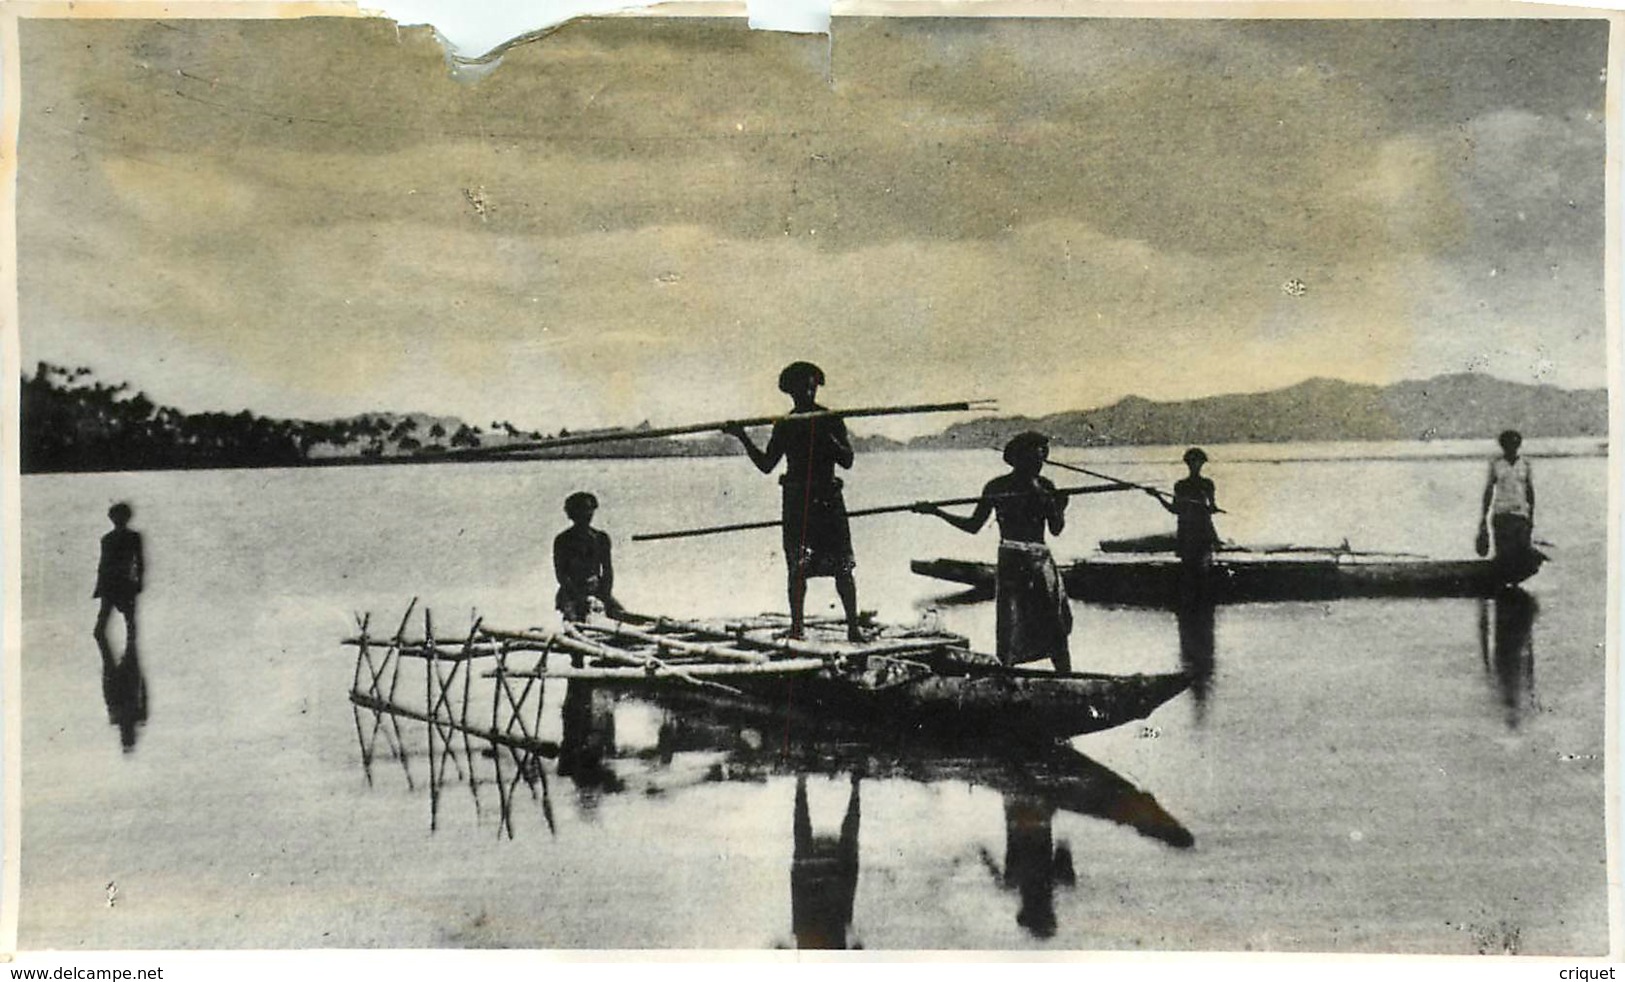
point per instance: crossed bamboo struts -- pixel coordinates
(515, 666)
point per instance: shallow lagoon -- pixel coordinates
(1405, 776)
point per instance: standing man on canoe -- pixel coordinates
(1508, 507)
(1033, 615)
(817, 538)
(1193, 505)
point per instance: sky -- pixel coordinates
(644, 219)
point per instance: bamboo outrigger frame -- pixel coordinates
(509, 670)
(896, 680)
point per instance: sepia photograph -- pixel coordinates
(1015, 484)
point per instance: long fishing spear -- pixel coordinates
(622, 434)
(865, 512)
(1125, 485)
(1107, 477)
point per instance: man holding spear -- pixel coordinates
(817, 537)
(1033, 615)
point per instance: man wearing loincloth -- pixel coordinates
(1033, 616)
(817, 538)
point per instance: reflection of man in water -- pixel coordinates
(823, 876)
(1196, 644)
(125, 691)
(1508, 650)
(1033, 864)
(589, 738)
(119, 577)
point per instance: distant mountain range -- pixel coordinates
(73, 422)
(1447, 407)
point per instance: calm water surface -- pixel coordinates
(1407, 776)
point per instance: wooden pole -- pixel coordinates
(1125, 484)
(448, 747)
(547, 803)
(745, 637)
(545, 748)
(392, 661)
(400, 641)
(717, 426)
(497, 692)
(1107, 477)
(866, 512)
(467, 750)
(648, 664)
(694, 673)
(361, 740)
(428, 692)
(720, 651)
(362, 654)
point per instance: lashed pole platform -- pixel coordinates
(515, 665)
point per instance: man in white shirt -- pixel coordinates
(1509, 505)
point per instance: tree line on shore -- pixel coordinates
(73, 421)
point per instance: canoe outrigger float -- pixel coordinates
(1129, 579)
(922, 680)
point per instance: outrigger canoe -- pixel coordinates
(926, 681)
(1138, 580)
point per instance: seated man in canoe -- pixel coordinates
(1193, 505)
(1508, 509)
(1033, 615)
(582, 563)
(817, 537)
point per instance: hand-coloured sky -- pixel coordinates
(645, 218)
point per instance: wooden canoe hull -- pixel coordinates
(1163, 582)
(923, 682)
(911, 679)
(982, 701)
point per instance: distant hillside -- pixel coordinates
(73, 422)
(1462, 406)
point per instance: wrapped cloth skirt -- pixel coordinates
(1033, 616)
(817, 537)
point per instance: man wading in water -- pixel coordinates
(120, 575)
(1033, 615)
(817, 538)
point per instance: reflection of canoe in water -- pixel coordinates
(923, 683)
(757, 745)
(1145, 581)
